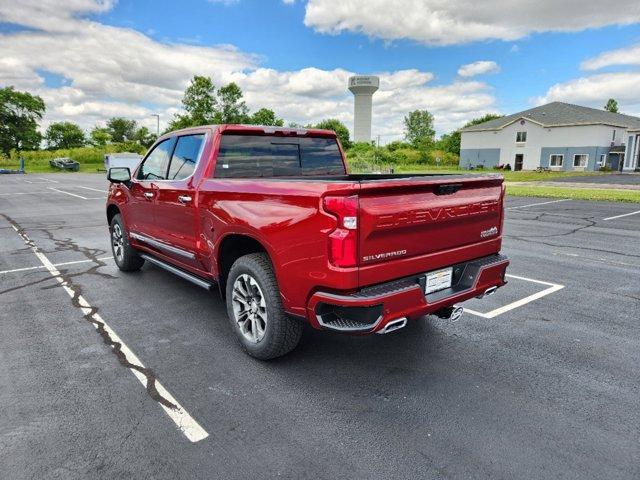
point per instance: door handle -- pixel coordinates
(148, 194)
(184, 198)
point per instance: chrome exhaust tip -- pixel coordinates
(393, 325)
(452, 313)
(456, 313)
(487, 292)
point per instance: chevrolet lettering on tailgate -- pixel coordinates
(426, 215)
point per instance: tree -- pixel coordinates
(484, 118)
(450, 142)
(231, 106)
(612, 105)
(121, 129)
(264, 116)
(203, 104)
(64, 135)
(199, 102)
(100, 136)
(180, 121)
(419, 130)
(144, 137)
(20, 113)
(337, 126)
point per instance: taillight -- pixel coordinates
(343, 241)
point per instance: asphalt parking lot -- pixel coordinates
(612, 179)
(540, 380)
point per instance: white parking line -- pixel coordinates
(18, 193)
(623, 215)
(39, 267)
(68, 193)
(541, 203)
(75, 195)
(553, 287)
(94, 189)
(185, 422)
(46, 180)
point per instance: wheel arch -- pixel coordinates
(112, 211)
(232, 247)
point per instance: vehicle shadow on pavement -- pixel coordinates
(413, 344)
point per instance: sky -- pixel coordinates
(94, 59)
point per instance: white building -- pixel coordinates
(558, 136)
(632, 158)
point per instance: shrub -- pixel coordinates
(84, 155)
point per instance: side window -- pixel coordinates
(321, 156)
(155, 165)
(185, 157)
(251, 156)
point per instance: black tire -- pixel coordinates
(125, 256)
(280, 333)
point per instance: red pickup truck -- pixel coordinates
(271, 217)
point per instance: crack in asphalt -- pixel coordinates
(89, 312)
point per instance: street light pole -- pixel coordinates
(157, 123)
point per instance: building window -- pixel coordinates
(556, 160)
(521, 137)
(580, 160)
(603, 159)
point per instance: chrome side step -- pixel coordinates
(162, 246)
(180, 273)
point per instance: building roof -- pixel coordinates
(559, 114)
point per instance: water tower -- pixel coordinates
(363, 87)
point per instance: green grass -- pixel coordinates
(611, 195)
(90, 158)
(509, 176)
(46, 168)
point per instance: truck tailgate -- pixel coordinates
(404, 219)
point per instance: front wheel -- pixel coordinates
(255, 310)
(126, 258)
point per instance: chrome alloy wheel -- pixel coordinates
(249, 308)
(117, 241)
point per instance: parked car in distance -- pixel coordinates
(65, 163)
(122, 159)
(271, 217)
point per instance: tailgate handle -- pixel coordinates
(448, 189)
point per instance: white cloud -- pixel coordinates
(450, 22)
(119, 71)
(481, 67)
(595, 90)
(622, 56)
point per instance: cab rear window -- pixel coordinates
(251, 156)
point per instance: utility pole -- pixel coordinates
(157, 123)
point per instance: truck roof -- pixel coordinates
(258, 129)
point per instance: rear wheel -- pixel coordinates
(255, 310)
(125, 256)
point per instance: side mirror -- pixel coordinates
(119, 175)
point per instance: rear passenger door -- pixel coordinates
(175, 214)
